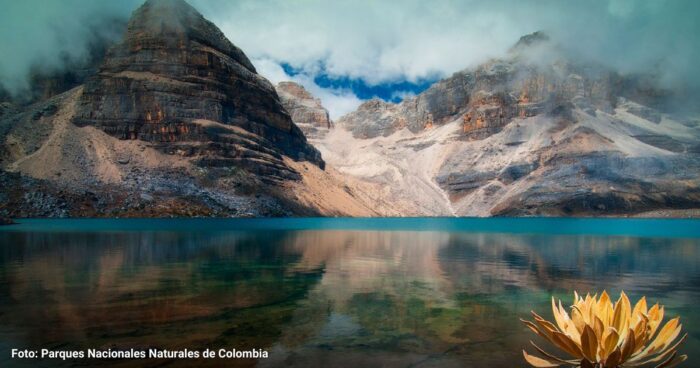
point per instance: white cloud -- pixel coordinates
(402, 95)
(47, 34)
(385, 41)
(270, 70)
(338, 101)
(377, 41)
(382, 41)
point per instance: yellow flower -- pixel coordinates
(602, 335)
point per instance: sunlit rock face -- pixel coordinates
(176, 122)
(491, 95)
(374, 118)
(172, 75)
(534, 133)
(306, 110)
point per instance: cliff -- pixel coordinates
(174, 70)
(534, 133)
(174, 122)
(306, 110)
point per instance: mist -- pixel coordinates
(381, 42)
(44, 36)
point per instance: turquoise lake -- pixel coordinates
(327, 292)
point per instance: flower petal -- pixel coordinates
(589, 344)
(610, 340)
(552, 357)
(676, 361)
(538, 362)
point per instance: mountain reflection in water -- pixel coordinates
(320, 297)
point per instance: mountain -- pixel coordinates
(176, 121)
(305, 110)
(149, 89)
(534, 133)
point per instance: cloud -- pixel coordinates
(377, 41)
(384, 42)
(338, 101)
(48, 34)
(402, 95)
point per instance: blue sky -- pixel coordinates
(394, 91)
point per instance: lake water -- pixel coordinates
(327, 292)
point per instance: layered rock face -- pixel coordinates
(488, 97)
(306, 110)
(176, 122)
(374, 118)
(534, 133)
(176, 82)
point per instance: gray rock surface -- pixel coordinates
(176, 122)
(175, 68)
(306, 110)
(488, 97)
(534, 133)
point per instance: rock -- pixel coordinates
(515, 172)
(6, 221)
(492, 95)
(6, 108)
(176, 82)
(464, 182)
(661, 141)
(306, 110)
(373, 118)
(521, 136)
(47, 110)
(530, 40)
(644, 113)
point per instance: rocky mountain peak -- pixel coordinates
(535, 132)
(178, 22)
(296, 90)
(306, 110)
(529, 40)
(175, 120)
(488, 97)
(177, 82)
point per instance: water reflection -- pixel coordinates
(330, 297)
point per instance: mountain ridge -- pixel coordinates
(518, 136)
(177, 122)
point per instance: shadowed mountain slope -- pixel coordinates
(176, 121)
